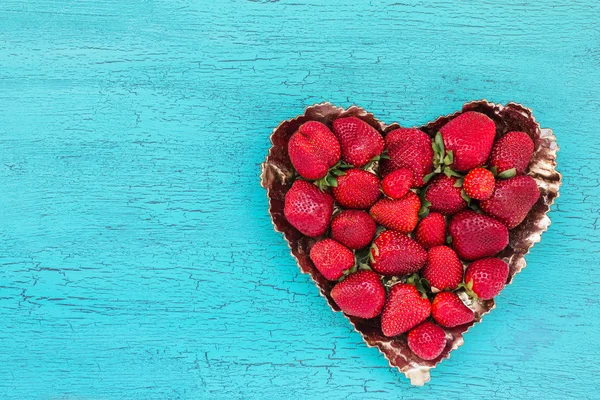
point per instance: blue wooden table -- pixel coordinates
(137, 258)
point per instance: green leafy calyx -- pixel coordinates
(330, 179)
(442, 159)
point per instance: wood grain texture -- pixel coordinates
(137, 257)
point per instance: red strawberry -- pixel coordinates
(447, 309)
(397, 183)
(353, 228)
(512, 150)
(444, 196)
(427, 340)
(360, 142)
(313, 149)
(470, 137)
(512, 199)
(487, 277)
(357, 189)
(307, 208)
(476, 235)
(479, 184)
(443, 270)
(400, 215)
(431, 230)
(394, 253)
(408, 148)
(331, 258)
(361, 294)
(404, 309)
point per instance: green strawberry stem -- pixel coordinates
(369, 166)
(388, 282)
(375, 250)
(421, 284)
(424, 210)
(428, 177)
(347, 272)
(450, 173)
(465, 196)
(509, 173)
(468, 287)
(365, 267)
(362, 259)
(330, 179)
(442, 159)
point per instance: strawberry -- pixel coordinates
(360, 142)
(404, 309)
(447, 309)
(443, 270)
(313, 149)
(512, 199)
(476, 235)
(307, 208)
(427, 340)
(408, 148)
(444, 196)
(357, 189)
(431, 230)
(479, 184)
(353, 228)
(397, 183)
(394, 253)
(400, 215)
(361, 294)
(486, 277)
(470, 137)
(512, 150)
(331, 258)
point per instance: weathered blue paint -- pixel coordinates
(137, 257)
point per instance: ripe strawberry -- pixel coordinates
(427, 340)
(394, 253)
(357, 189)
(512, 199)
(404, 309)
(331, 258)
(470, 137)
(397, 183)
(443, 270)
(361, 294)
(353, 228)
(408, 148)
(307, 208)
(360, 142)
(479, 184)
(447, 309)
(444, 196)
(476, 235)
(512, 150)
(431, 230)
(399, 215)
(487, 277)
(313, 149)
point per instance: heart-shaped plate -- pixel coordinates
(277, 177)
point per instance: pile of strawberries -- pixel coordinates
(405, 222)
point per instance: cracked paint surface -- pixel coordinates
(137, 258)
